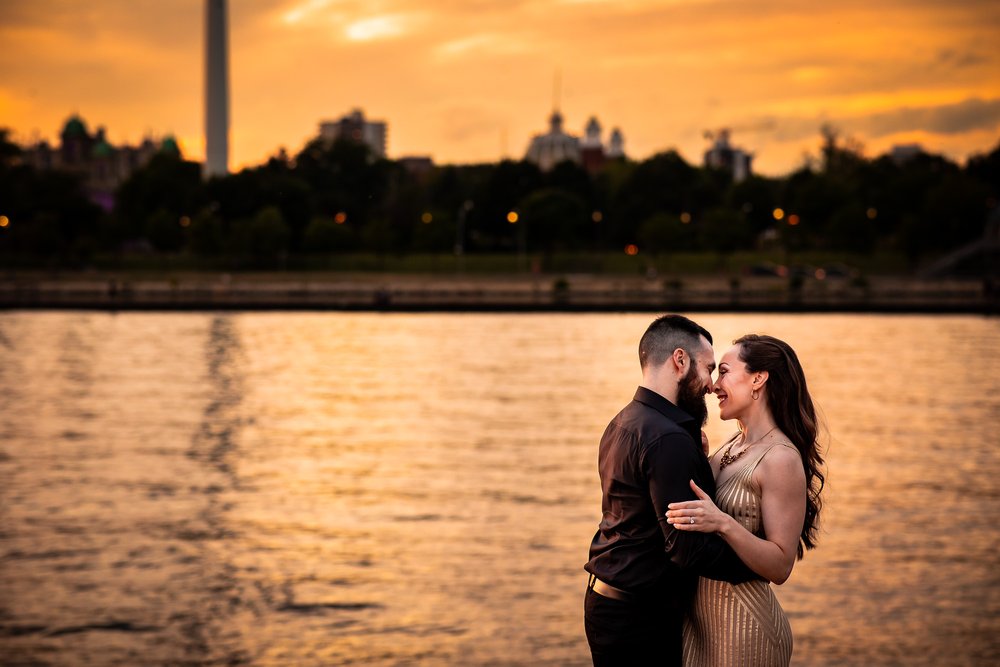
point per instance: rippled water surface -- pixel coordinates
(312, 489)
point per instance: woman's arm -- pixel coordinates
(782, 482)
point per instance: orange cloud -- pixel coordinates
(461, 80)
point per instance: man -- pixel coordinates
(642, 571)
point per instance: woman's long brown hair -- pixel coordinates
(793, 412)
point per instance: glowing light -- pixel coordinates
(631, 249)
(185, 221)
(375, 28)
(686, 217)
(779, 214)
(4, 221)
(512, 217)
(340, 218)
(426, 218)
(793, 219)
(303, 11)
(872, 213)
(597, 216)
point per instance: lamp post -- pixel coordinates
(463, 211)
(514, 218)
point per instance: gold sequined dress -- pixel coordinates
(738, 625)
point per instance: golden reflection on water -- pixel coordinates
(307, 489)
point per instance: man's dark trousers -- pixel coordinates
(645, 632)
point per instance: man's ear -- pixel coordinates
(681, 360)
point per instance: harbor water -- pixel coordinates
(421, 489)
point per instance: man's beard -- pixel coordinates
(691, 398)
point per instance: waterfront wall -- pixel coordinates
(585, 293)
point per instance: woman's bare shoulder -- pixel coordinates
(781, 463)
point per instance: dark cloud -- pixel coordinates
(969, 115)
(949, 119)
(961, 59)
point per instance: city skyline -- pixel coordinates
(474, 86)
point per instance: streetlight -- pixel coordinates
(512, 218)
(463, 211)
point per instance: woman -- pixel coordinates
(768, 482)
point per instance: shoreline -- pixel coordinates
(506, 293)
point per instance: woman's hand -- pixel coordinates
(707, 517)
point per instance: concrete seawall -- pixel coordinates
(377, 292)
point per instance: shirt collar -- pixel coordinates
(660, 404)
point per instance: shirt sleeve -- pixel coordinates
(669, 464)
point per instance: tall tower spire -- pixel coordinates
(555, 91)
(216, 89)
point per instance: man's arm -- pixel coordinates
(669, 464)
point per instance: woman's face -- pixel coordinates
(733, 386)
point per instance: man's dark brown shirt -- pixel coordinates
(648, 453)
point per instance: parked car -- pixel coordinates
(766, 269)
(840, 271)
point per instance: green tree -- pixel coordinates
(263, 239)
(50, 219)
(324, 235)
(164, 232)
(553, 220)
(434, 233)
(664, 233)
(724, 230)
(207, 235)
(851, 229)
(664, 183)
(165, 183)
(500, 189)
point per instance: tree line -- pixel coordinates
(338, 198)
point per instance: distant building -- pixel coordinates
(103, 166)
(216, 89)
(354, 127)
(419, 166)
(724, 156)
(549, 149)
(901, 153)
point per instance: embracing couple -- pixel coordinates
(681, 565)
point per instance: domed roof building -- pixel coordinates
(169, 146)
(548, 150)
(74, 128)
(103, 165)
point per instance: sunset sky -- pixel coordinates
(473, 80)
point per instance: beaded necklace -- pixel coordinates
(728, 458)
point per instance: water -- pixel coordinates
(313, 489)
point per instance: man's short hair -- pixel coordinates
(666, 334)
